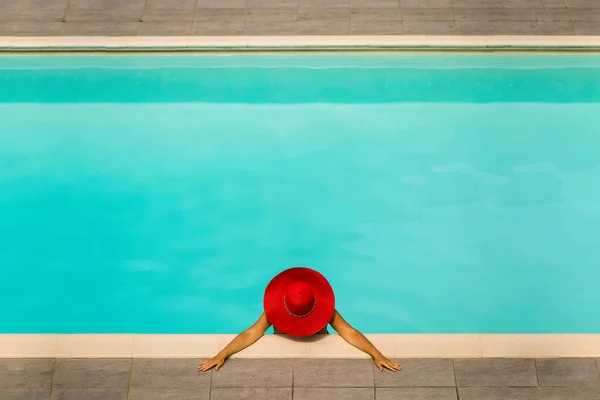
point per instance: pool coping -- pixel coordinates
(281, 346)
(300, 43)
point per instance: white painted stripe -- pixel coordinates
(281, 346)
(295, 42)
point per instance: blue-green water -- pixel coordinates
(437, 193)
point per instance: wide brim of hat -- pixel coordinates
(280, 318)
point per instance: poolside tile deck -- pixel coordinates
(254, 373)
(416, 393)
(300, 379)
(89, 394)
(26, 373)
(333, 373)
(418, 372)
(568, 372)
(168, 373)
(92, 373)
(495, 372)
(298, 17)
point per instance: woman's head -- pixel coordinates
(299, 301)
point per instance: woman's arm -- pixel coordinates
(358, 340)
(239, 343)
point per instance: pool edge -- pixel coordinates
(280, 346)
(299, 43)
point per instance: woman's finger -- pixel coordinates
(389, 365)
(207, 365)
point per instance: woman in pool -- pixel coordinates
(299, 302)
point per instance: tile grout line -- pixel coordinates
(598, 366)
(373, 377)
(62, 24)
(65, 14)
(130, 377)
(139, 26)
(349, 22)
(52, 382)
(537, 374)
(298, 32)
(210, 383)
(455, 379)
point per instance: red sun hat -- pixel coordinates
(299, 301)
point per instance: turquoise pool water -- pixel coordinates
(437, 193)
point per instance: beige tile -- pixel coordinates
(271, 27)
(322, 3)
(33, 15)
(581, 345)
(224, 340)
(59, 41)
(226, 28)
(556, 27)
(163, 15)
(323, 13)
(228, 40)
(375, 15)
(521, 346)
(584, 14)
(375, 3)
(521, 3)
(495, 14)
(273, 346)
(554, 3)
(323, 27)
(112, 15)
(172, 346)
(6, 41)
(105, 28)
(429, 27)
(155, 28)
(27, 346)
(331, 346)
(30, 28)
(275, 14)
(552, 14)
(221, 3)
(437, 346)
(428, 14)
(101, 346)
(384, 343)
(224, 15)
(588, 28)
(377, 27)
(498, 28)
(293, 4)
(175, 42)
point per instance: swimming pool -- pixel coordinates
(439, 194)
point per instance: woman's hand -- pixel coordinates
(383, 362)
(216, 362)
